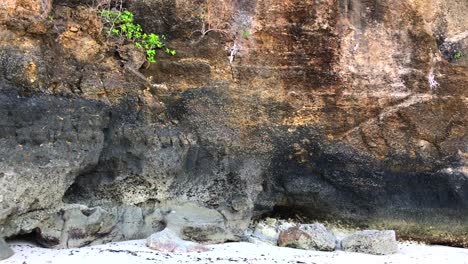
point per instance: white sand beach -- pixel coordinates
(136, 252)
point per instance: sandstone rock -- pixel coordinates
(168, 241)
(5, 250)
(309, 237)
(82, 47)
(26, 10)
(371, 242)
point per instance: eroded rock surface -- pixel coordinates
(371, 242)
(309, 237)
(326, 111)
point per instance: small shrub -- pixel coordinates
(120, 24)
(245, 34)
(214, 17)
(457, 55)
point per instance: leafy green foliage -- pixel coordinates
(245, 34)
(121, 24)
(458, 55)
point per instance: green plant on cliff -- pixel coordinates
(457, 55)
(245, 34)
(120, 24)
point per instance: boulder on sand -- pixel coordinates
(168, 241)
(371, 242)
(309, 237)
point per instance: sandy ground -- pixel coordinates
(136, 252)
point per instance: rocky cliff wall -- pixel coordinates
(326, 111)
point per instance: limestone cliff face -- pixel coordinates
(326, 111)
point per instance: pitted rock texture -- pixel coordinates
(325, 112)
(308, 237)
(371, 242)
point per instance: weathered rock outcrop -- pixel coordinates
(327, 111)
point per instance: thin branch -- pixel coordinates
(138, 74)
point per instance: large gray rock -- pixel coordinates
(168, 241)
(5, 250)
(193, 222)
(309, 237)
(371, 242)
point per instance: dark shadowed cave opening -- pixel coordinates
(32, 238)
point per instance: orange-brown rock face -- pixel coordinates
(349, 110)
(340, 65)
(18, 10)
